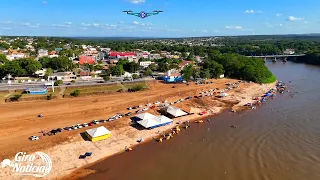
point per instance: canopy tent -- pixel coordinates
(97, 134)
(163, 120)
(156, 121)
(148, 123)
(176, 112)
(145, 116)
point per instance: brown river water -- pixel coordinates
(278, 141)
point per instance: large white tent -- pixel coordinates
(144, 116)
(176, 112)
(148, 123)
(148, 120)
(163, 120)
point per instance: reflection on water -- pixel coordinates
(279, 141)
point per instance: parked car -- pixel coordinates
(95, 122)
(79, 126)
(103, 121)
(156, 103)
(144, 109)
(34, 138)
(59, 130)
(111, 119)
(74, 127)
(129, 108)
(85, 125)
(129, 114)
(67, 128)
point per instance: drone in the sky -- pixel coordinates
(142, 14)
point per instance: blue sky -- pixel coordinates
(180, 17)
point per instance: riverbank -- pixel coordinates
(65, 148)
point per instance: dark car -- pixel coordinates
(59, 130)
(100, 82)
(68, 83)
(103, 121)
(129, 114)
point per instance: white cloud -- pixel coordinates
(85, 25)
(120, 22)
(44, 2)
(204, 31)
(5, 28)
(95, 24)
(233, 27)
(278, 15)
(69, 23)
(136, 22)
(137, 1)
(292, 18)
(249, 11)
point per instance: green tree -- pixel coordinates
(191, 56)
(147, 72)
(48, 73)
(135, 76)
(195, 73)
(117, 70)
(163, 67)
(3, 59)
(205, 74)
(153, 67)
(131, 67)
(187, 73)
(106, 78)
(75, 93)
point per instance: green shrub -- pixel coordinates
(58, 82)
(75, 93)
(73, 81)
(135, 88)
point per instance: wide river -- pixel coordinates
(278, 141)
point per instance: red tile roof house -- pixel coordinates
(87, 60)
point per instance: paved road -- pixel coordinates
(20, 86)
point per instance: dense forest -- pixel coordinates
(310, 58)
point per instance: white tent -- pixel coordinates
(99, 131)
(148, 123)
(176, 112)
(163, 119)
(145, 116)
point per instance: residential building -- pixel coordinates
(42, 53)
(41, 72)
(154, 56)
(14, 56)
(64, 76)
(87, 60)
(145, 64)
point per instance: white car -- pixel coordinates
(68, 128)
(144, 109)
(79, 126)
(140, 106)
(74, 127)
(85, 125)
(156, 103)
(34, 138)
(95, 122)
(149, 104)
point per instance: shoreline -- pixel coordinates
(65, 155)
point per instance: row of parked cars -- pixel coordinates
(79, 126)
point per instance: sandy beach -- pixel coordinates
(19, 121)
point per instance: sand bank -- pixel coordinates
(65, 148)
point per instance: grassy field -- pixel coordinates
(83, 90)
(107, 88)
(270, 80)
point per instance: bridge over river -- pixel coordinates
(274, 58)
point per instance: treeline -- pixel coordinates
(28, 66)
(310, 58)
(231, 65)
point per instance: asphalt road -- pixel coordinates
(21, 86)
